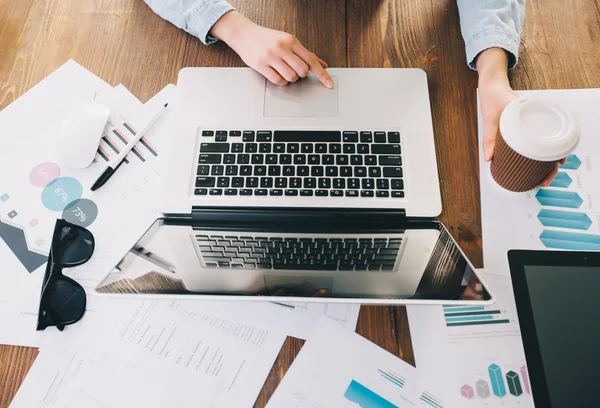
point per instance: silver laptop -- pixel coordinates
(363, 256)
(239, 140)
(300, 191)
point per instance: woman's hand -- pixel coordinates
(494, 94)
(277, 55)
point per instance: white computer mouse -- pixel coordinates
(80, 135)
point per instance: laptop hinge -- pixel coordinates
(312, 218)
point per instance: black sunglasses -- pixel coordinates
(63, 300)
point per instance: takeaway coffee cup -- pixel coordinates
(535, 133)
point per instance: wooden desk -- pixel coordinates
(123, 41)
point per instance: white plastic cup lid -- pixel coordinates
(539, 129)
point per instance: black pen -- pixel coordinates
(118, 160)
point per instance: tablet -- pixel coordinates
(556, 293)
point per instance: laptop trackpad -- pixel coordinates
(297, 285)
(305, 98)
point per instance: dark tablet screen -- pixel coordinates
(559, 313)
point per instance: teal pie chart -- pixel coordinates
(62, 193)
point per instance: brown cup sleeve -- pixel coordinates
(515, 172)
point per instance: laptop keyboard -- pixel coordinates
(300, 163)
(343, 254)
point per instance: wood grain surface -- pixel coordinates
(123, 41)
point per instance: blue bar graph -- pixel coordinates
(483, 312)
(570, 240)
(468, 318)
(456, 316)
(478, 323)
(562, 180)
(558, 198)
(497, 381)
(572, 162)
(565, 219)
(463, 309)
(365, 398)
(393, 377)
(431, 400)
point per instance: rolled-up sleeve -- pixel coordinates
(491, 23)
(194, 16)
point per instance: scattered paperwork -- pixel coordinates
(155, 352)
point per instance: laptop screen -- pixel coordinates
(224, 257)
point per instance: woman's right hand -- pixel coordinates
(277, 55)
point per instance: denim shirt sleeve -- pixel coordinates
(194, 16)
(491, 23)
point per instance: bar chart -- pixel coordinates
(497, 384)
(117, 137)
(456, 316)
(566, 224)
(430, 399)
(393, 377)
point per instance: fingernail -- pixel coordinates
(329, 83)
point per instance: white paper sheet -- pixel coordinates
(307, 315)
(126, 96)
(455, 347)
(339, 368)
(68, 377)
(19, 320)
(235, 345)
(563, 216)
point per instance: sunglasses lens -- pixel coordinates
(77, 245)
(67, 301)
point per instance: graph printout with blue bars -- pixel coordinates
(366, 398)
(473, 316)
(431, 400)
(566, 223)
(392, 377)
